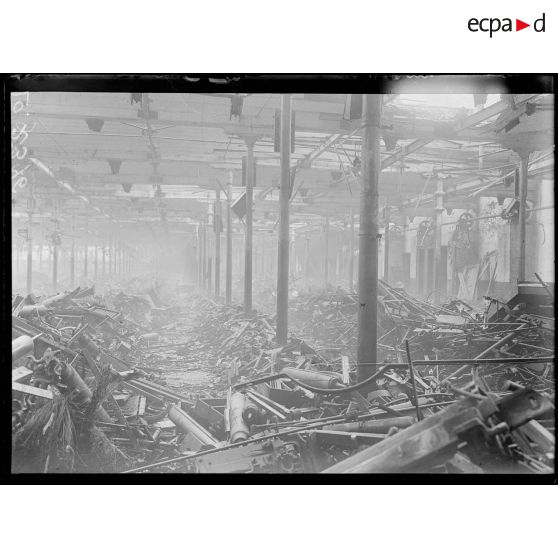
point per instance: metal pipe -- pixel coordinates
(248, 242)
(22, 346)
(314, 378)
(239, 430)
(368, 236)
(475, 361)
(283, 247)
(186, 424)
(375, 426)
(32, 310)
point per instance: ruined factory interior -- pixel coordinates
(229, 282)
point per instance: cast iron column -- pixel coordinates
(217, 227)
(104, 258)
(438, 242)
(73, 258)
(96, 261)
(326, 253)
(352, 252)
(85, 250)
(29, 252)
(204, 252)
(386, 243)
(248, 242)
(199, 254)
(368, 237)
(283, 248)
(307, 260)
(228, 275)
(54, 268)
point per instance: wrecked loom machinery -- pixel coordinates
(117, 389)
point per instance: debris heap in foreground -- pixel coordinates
(132, 383)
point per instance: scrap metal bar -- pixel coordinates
(493, 347)
(185, 423)
(413, 382)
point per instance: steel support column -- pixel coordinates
(386, 243)
(104, 248)
(368, 237)
(248, 242)
(73, 260)
(307, 260)
(199, 254)
(109, 254)
(283, 241)
(30, 253)
(119, 257)
(438, 242)
(204, 254)
(351, 252)
(96, 261)
(326, 253)
(228, 272)
(217, 228)
(54, 268)
(85, 254)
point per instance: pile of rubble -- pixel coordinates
(129, 382)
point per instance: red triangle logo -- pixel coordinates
(519, 25)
